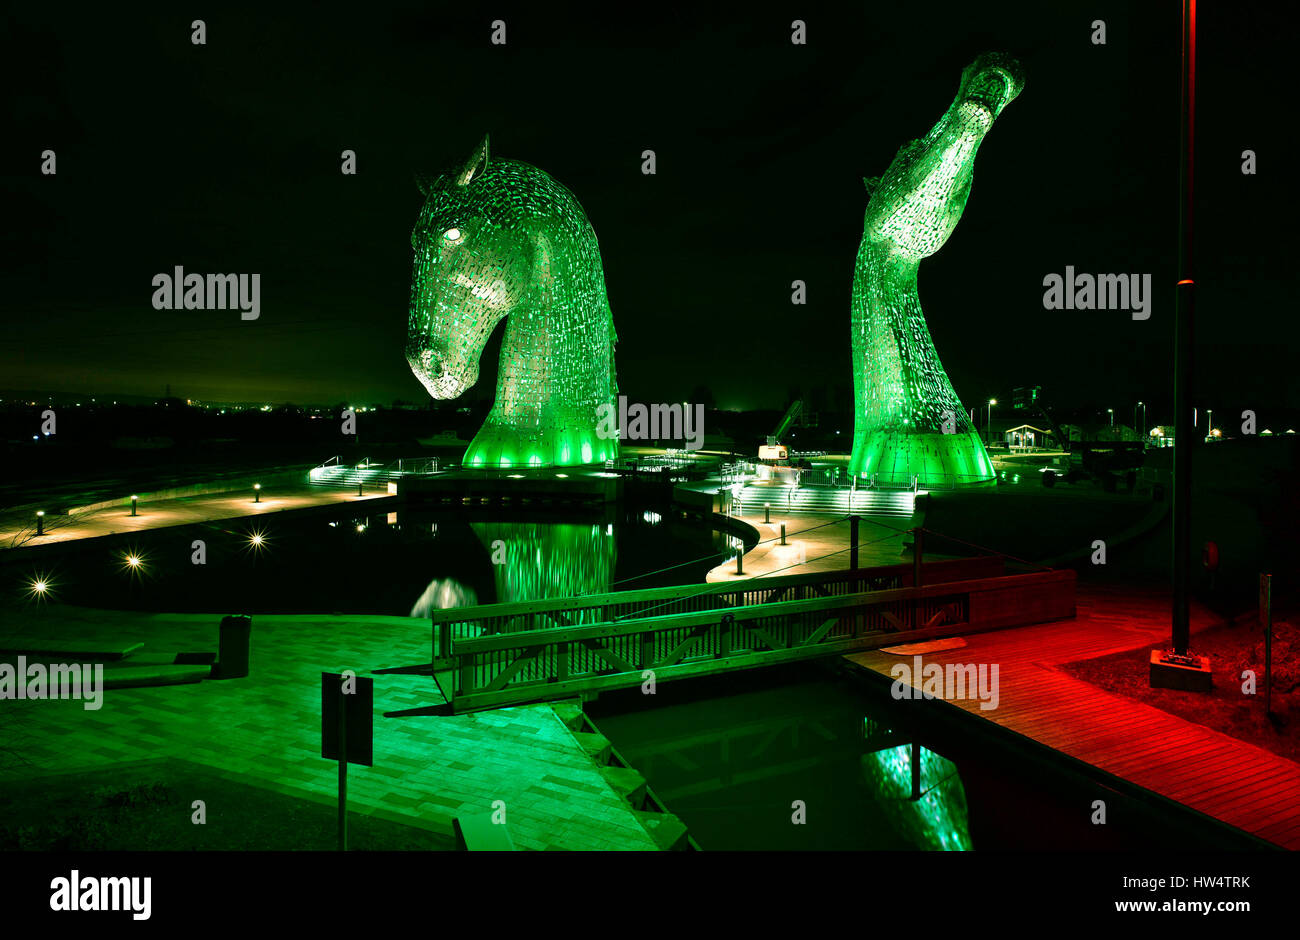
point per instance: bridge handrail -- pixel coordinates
(528, 638)
(934, 572)
(513, 668)
(491, 618)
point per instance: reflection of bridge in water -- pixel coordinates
(728, 756)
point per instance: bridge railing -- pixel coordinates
(512, 668)
(554, 613)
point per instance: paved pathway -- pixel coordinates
(265, 729)
(173, 512)
(819, 542)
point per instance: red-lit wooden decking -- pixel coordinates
(1235, 782)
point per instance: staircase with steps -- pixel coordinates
(349, 476)
(667, 830)
(335, 473)
(868, 502)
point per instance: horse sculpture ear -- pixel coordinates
(476, 165)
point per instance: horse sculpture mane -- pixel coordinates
(501, 239)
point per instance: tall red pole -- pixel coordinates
(1184, 309)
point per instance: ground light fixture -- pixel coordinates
(135, 500)
(40, 522)
(134, 563)
(257, 492)
(39, 587)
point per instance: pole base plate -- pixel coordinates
(1185, 673)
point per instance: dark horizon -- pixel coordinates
(225, 158)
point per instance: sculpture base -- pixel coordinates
(499, 447)
(936, 460)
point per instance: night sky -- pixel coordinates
(225, 158)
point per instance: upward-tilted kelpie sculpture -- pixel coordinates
(908, 421)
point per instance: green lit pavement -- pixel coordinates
(264, 730)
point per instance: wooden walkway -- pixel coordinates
(1235, 782)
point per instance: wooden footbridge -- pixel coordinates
(508, 654)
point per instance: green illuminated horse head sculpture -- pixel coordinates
(908, 420)
(496, 239)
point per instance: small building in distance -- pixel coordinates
(1025, 438)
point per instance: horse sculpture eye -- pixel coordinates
(452, 235)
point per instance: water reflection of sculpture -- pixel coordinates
(498, 239)
(939, 819)
(535, 560)
(908, 419)
(443, 594)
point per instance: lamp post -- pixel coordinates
(40, 522)
(1183, 325)
(1111, 412)
(1209, 423)
(257, 492)
(134, 500)
(989, 422)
